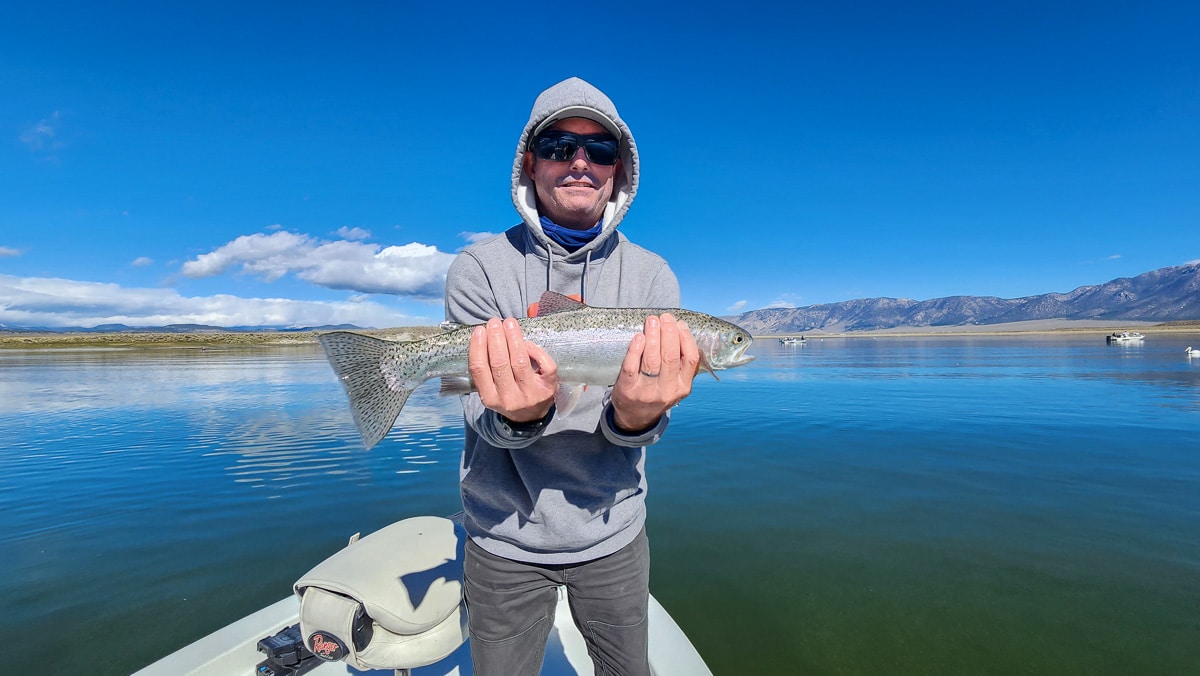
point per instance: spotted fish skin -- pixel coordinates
(588, 345)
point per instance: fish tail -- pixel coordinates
(374, 402)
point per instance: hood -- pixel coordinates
(574, 97)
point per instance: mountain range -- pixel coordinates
(1167, 294)
(1164, 295)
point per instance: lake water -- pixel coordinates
(983, 505)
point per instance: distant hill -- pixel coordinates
(1168, 294)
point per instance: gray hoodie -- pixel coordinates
(577, 491)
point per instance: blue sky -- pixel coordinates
(307, 163)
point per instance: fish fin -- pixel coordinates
(552, 302)
(450, 326)
(568, 397)
(705, 366)
(452, 385)
(373, 402)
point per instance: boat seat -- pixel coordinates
(390, 600)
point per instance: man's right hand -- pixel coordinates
(514, 377)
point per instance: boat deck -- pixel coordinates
(233, 649)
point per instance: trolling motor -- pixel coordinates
(286, 654)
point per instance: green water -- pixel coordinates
(898, 506)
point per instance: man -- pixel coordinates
(553, 499)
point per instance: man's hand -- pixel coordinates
(502, 367)
(657, 373)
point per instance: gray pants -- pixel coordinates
(510, 607)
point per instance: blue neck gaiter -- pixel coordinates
(571, 240)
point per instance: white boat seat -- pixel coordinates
(391, 600)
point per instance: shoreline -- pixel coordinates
(206, 339)
(1041, 327)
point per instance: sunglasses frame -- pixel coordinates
(578, 140)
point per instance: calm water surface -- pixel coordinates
(990, 505)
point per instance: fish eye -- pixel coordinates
(738, 338)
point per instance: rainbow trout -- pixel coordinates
(587, 343)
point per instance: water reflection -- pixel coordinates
(67, 380)
(1161, 360)
(276, 418)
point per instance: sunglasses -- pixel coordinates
(561, 146)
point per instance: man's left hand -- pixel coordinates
(657, 373)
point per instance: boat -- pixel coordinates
(404, 617)
(1124, 338)
(793, 340)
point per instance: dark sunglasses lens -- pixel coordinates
(557, 148)
(601, 151)
(562, 148)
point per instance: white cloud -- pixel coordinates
(9, 252)
(40, 136)
(416, 270)
(255, 251)
(39, 301)
(346, 232)
(142, 261)
(737, 307)
(780, 304)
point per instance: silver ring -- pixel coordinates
(649, 375)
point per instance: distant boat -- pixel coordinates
(793, 340)
(1124, 338)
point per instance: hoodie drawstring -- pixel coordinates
(583, 278)
(587, 264)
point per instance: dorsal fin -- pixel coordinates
(552, 302)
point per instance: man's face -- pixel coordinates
(573, 193)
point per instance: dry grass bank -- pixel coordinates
(20, 340)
